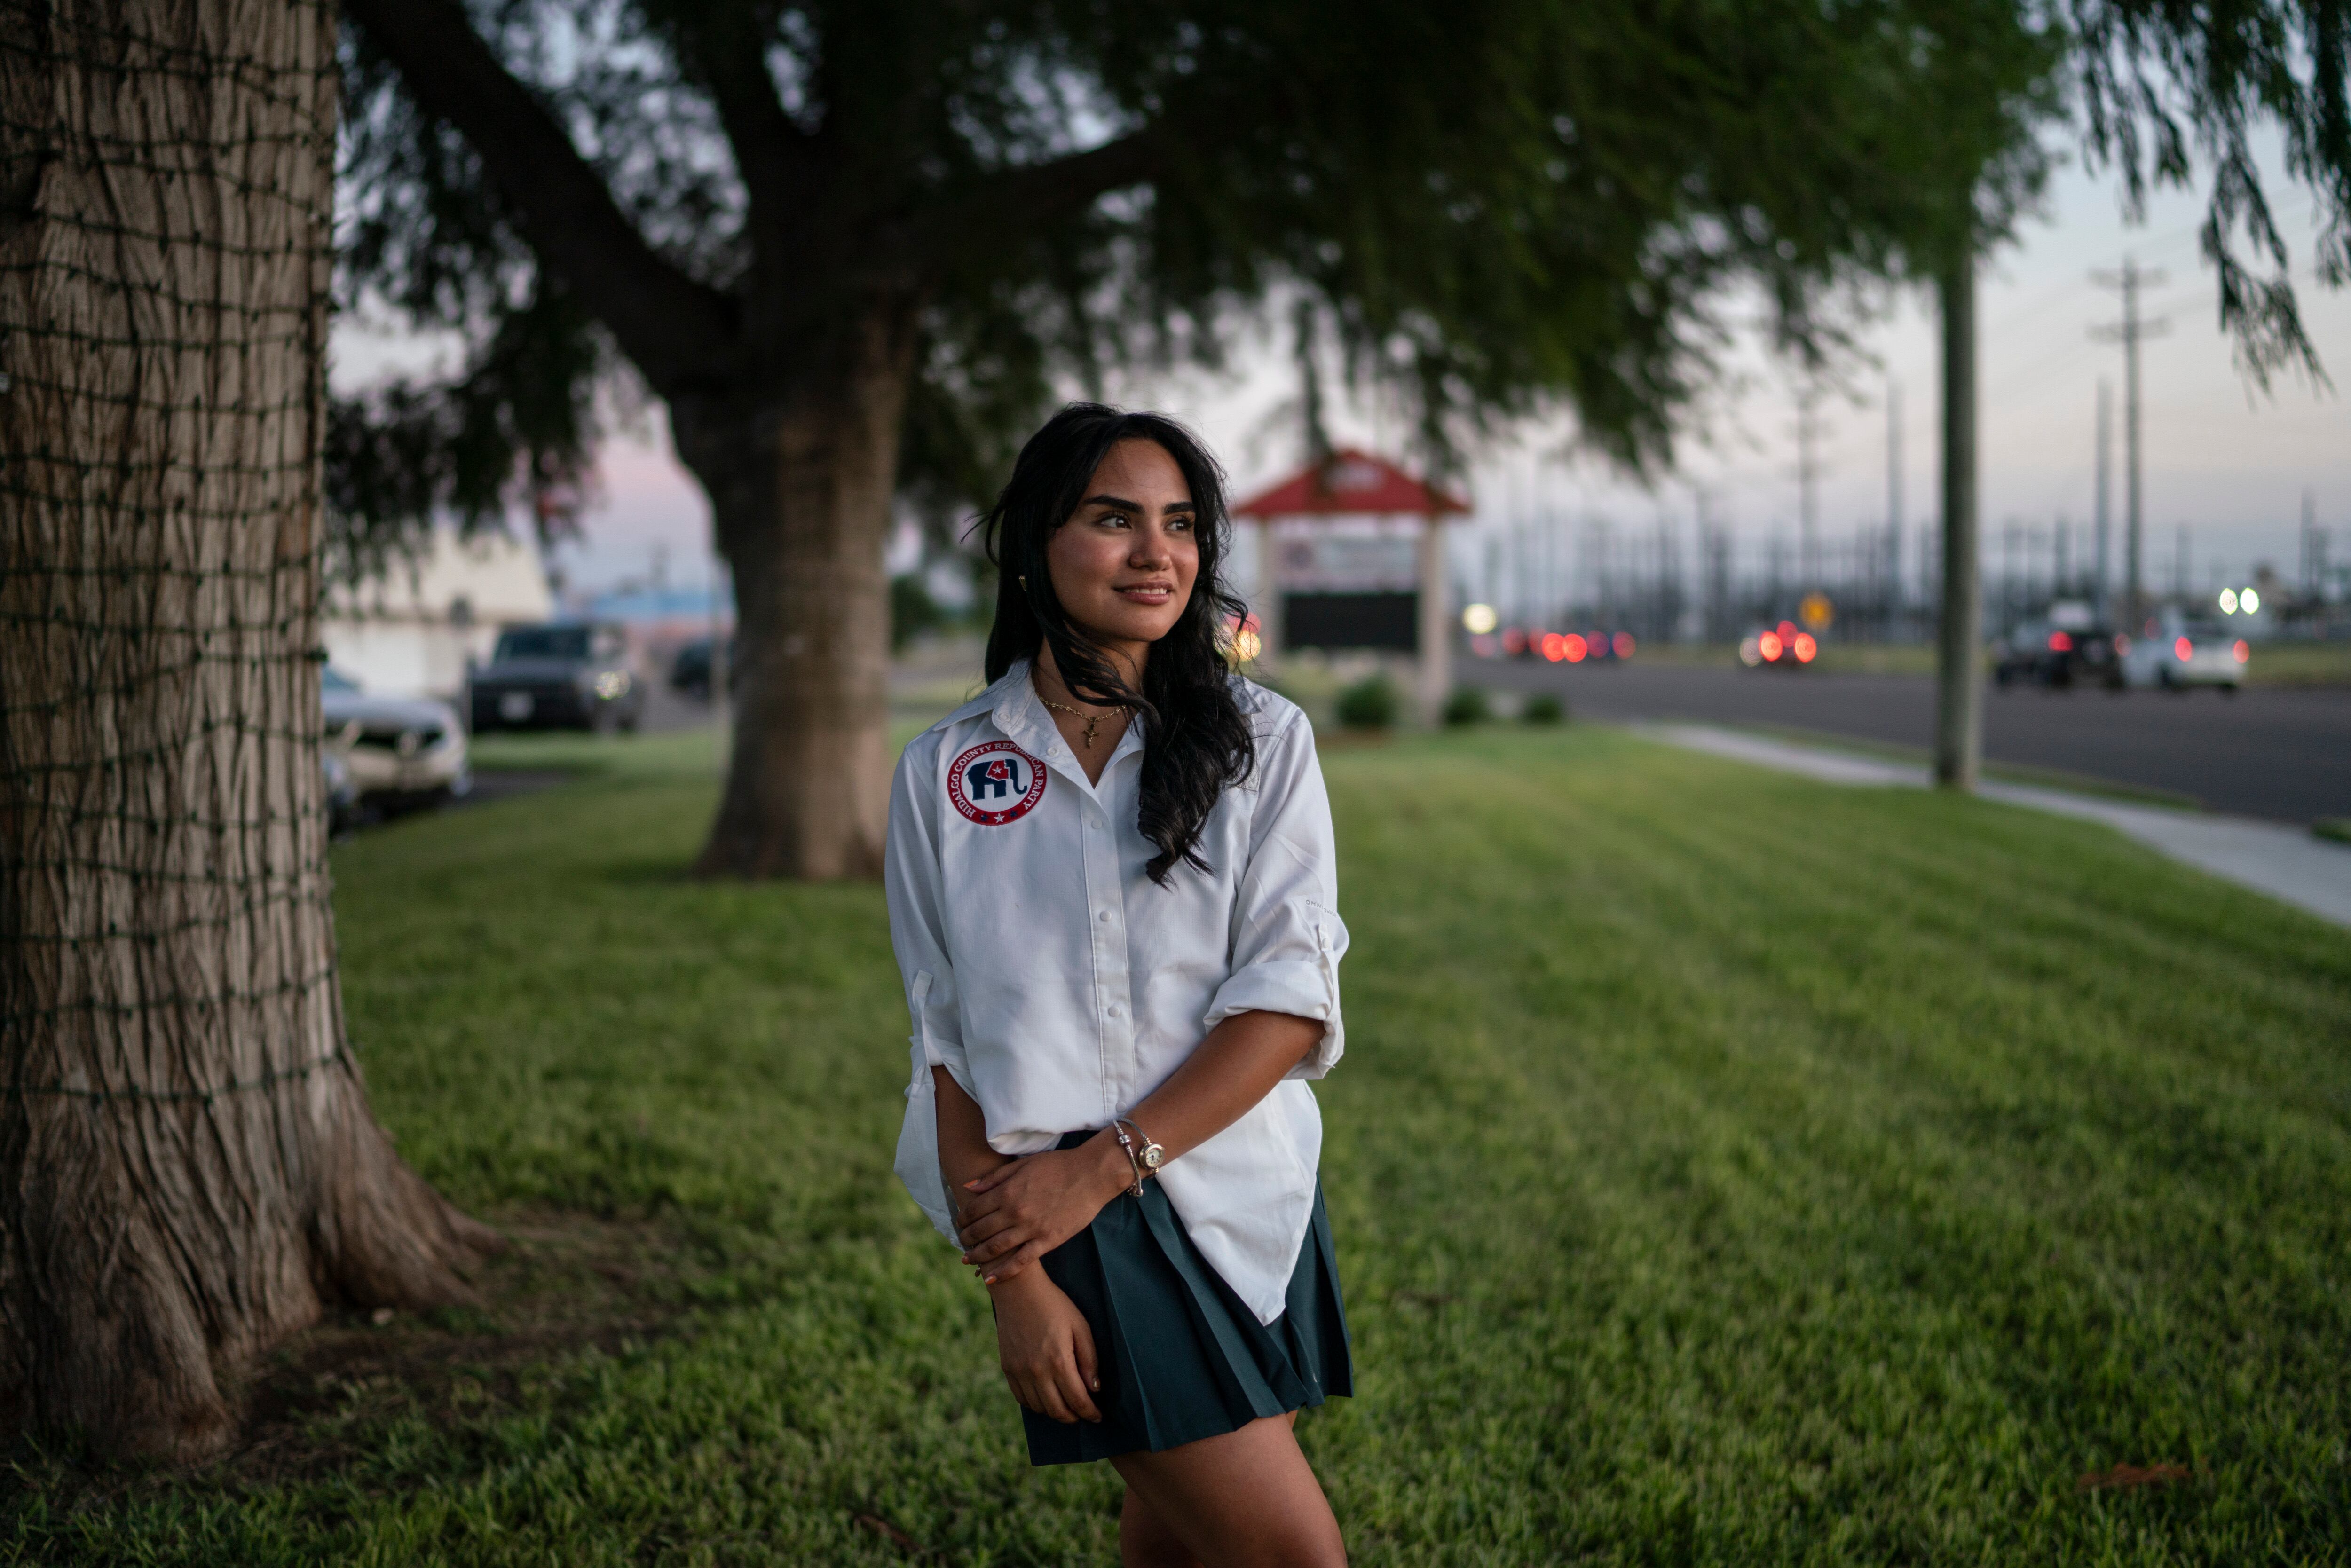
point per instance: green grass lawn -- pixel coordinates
(1726, 1169)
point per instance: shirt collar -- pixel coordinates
(1018, 713)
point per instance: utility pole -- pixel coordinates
(2312, 588)
(1958, 707)
(1808, 474)
(2128, 333)
(2105, 491)
(1893, 505)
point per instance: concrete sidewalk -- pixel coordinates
(2289, 864)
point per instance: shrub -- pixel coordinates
(1369, 704)
(1467, 705)
(912, 611)
(1543, 708)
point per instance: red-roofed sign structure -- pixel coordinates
(1352, 484)
(1356, 600)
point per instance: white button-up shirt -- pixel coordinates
(1061, 986)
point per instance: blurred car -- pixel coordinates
(2057, 656)
(1566, 647)
(2177, 652)
(690, 672)
(1786, 646)
(558, 675)
(400, 751)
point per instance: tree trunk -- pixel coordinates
(188, 1167)
(801, 486)
(1959, 657)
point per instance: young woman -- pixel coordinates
(1112, 897)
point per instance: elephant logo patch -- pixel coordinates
(996, 782)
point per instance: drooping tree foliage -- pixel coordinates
(2174, 94)
(850, 247)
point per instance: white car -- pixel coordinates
(2176, 654)
(400, 749)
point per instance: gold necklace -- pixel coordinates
(1092, 719)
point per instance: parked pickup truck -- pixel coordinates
(561, 676)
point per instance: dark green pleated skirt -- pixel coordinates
(1180, 1356)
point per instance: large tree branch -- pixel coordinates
(665, 321)
(771, 153)
(726, 47)
(1037, 194)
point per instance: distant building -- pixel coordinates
(415, 630)
(659, 620)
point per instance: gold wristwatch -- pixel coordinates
(1142, 1154)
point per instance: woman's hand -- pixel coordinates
(1045, 1348)
(1020, 1211)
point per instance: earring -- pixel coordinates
(1024, 582)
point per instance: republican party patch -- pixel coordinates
(996, 782)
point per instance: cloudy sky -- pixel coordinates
(2230, 463)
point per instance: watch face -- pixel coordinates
(1151, 1156)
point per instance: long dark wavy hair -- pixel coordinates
(1195, 740)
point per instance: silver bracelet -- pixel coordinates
(1142, 1154)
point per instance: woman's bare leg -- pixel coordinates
(1146, 1541)
(1245, 1499)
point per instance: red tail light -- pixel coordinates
(1623, 643)
(2183, 650)
(1576, 648)
(1805, 647)
(2242, 651)
(2059, 643)
(1554, 646)
(1769, 645)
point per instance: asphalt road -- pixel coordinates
(2283, 754)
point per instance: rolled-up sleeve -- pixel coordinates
(1287, 937)
(917, 933)
(911, 875)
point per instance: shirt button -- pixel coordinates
(1104, 917)
(1113, 1010)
